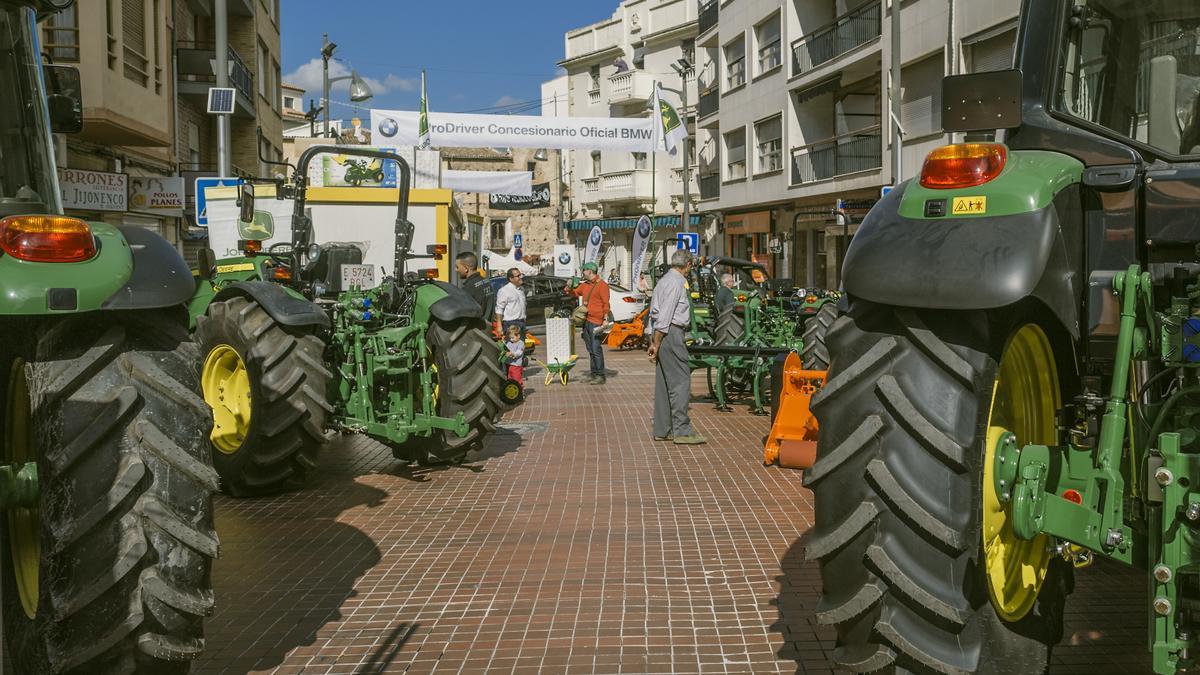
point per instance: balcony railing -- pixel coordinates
(837, 156)
(853, 29)
(710, 102)
(594, 96)
(591, 184)
(708, 15)
(710, 186)
(197, 61)
(631, 85)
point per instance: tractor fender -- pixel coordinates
(160, 277)
(454, 305)
(971, 262)
(284, 307)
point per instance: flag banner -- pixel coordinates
(669, 131)
(538, 198)
(395, 128)
(516, 183)
(564, 261)
(424, 142)
(595, 238)
(641, 243)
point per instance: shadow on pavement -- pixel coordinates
(287, 566)
(386, 652)
(498, 443)
(799, 588)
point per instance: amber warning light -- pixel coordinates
(963, 165)
(47, 239)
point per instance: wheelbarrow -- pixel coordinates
(560, 370)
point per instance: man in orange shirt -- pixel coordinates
(594, 292)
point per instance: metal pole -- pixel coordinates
(325, 80)
(897, 141)
(221, 33)
(687, 140)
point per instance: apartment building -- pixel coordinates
(145, 67)
(793, 139)
(611, 67)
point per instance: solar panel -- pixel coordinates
(220, 101)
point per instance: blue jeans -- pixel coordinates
(595, 349)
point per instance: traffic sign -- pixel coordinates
(690, 241)
(201, 202)
(517, 241)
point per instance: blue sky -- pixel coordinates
(477, 54)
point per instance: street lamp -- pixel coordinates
(683, 68)
(359, 91)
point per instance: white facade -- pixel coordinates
(794, 108)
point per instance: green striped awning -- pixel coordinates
(628, 223)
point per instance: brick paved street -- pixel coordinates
(571, 543)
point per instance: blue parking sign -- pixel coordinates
(201, 202)
(690, 241)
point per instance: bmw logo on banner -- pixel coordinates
(595, 238)
(388, 127)
(641, 243)
(564, 258)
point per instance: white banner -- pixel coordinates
(459, 130)
(595, 238)
(160, 196)
(641, 243)
(93, 190)
(564, 261)
(516, 183)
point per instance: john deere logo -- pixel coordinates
(670, 119)
(564, 258)
(388, 127)
(261, 229)
(596, 236)
(644, 227)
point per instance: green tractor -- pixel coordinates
(299, 341)
(1014, 387)
(106, 536)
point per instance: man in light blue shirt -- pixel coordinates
(670, 317)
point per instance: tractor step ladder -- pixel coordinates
(793, 438)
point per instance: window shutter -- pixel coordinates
(994, 53)
(133, 24)
(921, 100)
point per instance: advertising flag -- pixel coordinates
(424, 139)
(641, 243)
(669, 129)
(592, 252)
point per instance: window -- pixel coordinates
(735, 154)
(275, 80)
(735, 64)
(768, 134)
(594, 78)
(497, 235)
(766, 34)
(289, 102)
(133, 30)
(921, 97)
(531, 167)
(156, 55)
(639, 161)
(264, 57)
(991, 53)
(595, 164)
(689, 50)
(193, 145)
(61, 35)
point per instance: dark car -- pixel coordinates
(541, 292)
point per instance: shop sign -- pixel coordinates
(157, 195)
(93, 190)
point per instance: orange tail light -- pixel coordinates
(963, 165)
(47, 238)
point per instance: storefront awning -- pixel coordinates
(628, 223)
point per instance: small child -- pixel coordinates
(516, 354)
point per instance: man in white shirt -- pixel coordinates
(510, 304)
(670, 317)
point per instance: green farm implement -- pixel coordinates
(106, 535)
(1029, 400)
(299, 341)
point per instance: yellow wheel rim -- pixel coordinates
(226, 385)
(1024, 401)
(24, 526)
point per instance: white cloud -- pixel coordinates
(506, 100)
(309, 77)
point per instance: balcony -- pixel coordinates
(627, 186)
(594, 96)
(849, 153)
(197, 73)
(710, 186)
(847, 32)
(591, 187)
(708, 15)
(631, 86)
(710, 102)
(677, 183)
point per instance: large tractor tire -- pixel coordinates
(110, 573)
(920, 569)
(268, 386)
(815, 353)
(730, 327)
(468, 381)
